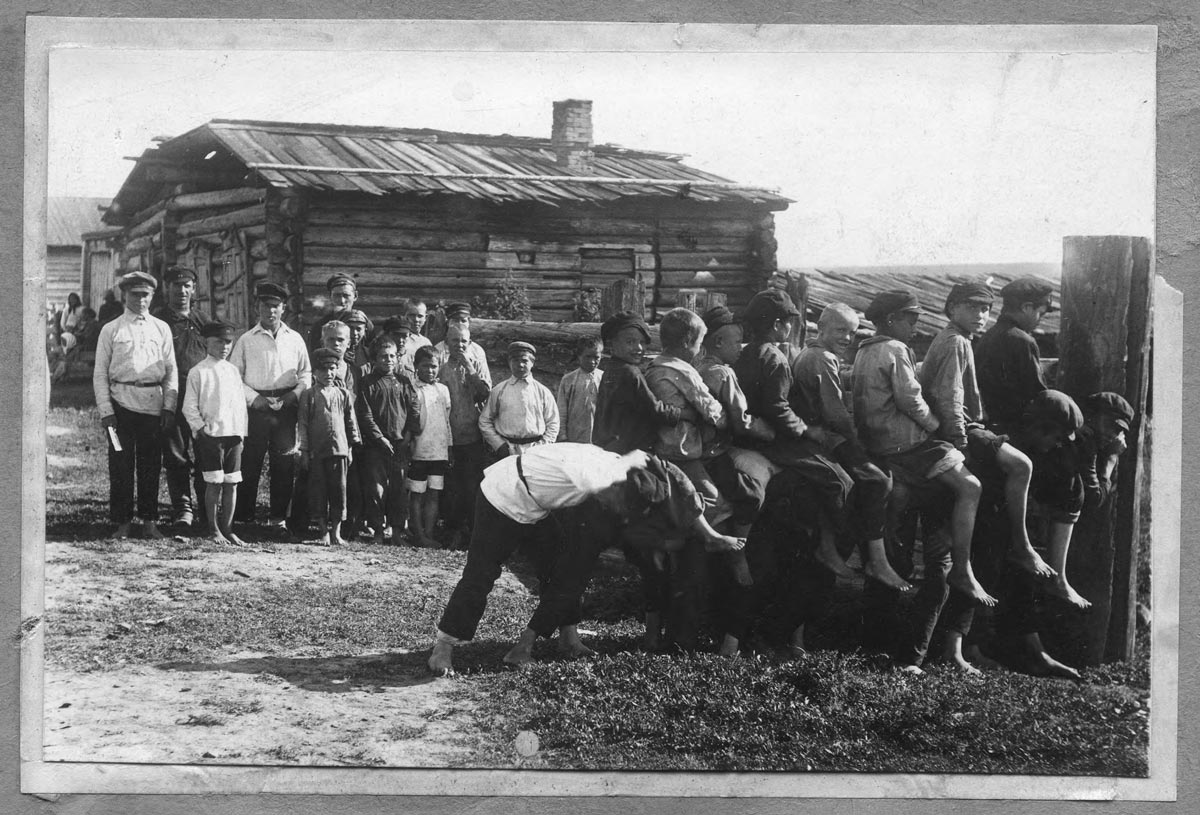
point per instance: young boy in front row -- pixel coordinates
(388, 417)
(214, 406)
(896, 426)
(327, 431)
(577, 393)
(431, 449)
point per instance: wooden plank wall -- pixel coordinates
(457, 250)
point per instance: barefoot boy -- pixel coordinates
(431, 448)
(577, 393)
(215, 409)
(327, 430)
(819, 399)
(949, 385)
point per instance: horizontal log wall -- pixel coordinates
(453, 249)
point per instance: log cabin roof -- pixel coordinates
(380, 160)
(856, 286)
(69, 217)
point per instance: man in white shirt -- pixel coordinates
(515, 499)
(273, 362)
(136, 384)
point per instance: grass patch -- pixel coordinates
(828, 712)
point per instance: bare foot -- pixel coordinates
(574, 649)
(520, 654)
(1042, 664)
(725, 543)
(235, 540)
(218, 538)
(885, 574)
(440, 659)
(981, 659)
(150, 531)
(964, 666)
(968, 585)
(1026, 558)
(832, 561)
(912, 670)
(335, 539)
(122, 531)
(1062, 589)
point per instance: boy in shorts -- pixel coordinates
(214, 406)
(431, 449)
(896, 426)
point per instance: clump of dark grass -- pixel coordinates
(826, 712)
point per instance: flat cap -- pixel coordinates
(268, 291)
(1029, 290)
(1057, 408)
(619, 322)
(718, 317)
(137, 280)
(174, 274)
(891, 301)
(980, 293)
(519, 347)
(395, 325)
(454, 309)
(770, 304)
(218, 328)
(323, 355)
(1113, 404)
(352, 317)
(340, 280)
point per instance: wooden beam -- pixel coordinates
(217, 198)
(165, 174)
(248, 216)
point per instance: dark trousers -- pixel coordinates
(580, 534)
(327, 488)
(179, 465)
(141, 453)
(356, 500)
(382, 485)
(462, 483)
(869, 495)
(270, 433)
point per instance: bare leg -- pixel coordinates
(973, 654)
(954, 654)
(225, 519)
(570, 643)
(429, 521)
(1042, 664)
(827, 553)
(335, 534)
(213, 497)
(962, 526)
(1060, 545)
(1018, 470)
(878, 568)
(417, 520)
(522, 652)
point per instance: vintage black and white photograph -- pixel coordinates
(610, 397)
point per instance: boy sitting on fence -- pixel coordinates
(431, 457)
(896, 426)
(327, 431)
(520, 412)
(388, 417)
(820, 399)
(214, 406)
(577, 393)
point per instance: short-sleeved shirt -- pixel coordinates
(433, 442)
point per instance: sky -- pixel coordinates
(892, 157)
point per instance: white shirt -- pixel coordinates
(559, 475)
(268, 363)
(135, 366)
(213, 400)
(518, 409)
(433, 442)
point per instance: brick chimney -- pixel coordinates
(571, 135)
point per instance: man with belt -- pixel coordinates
(273, 362)
(185, 323)
(136, 387)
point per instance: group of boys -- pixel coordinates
(773, 446)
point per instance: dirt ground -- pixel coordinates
(245, 707)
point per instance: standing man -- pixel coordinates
(136, 387)
(186, 325)
(273, 362)
(460, 314)
(343, 294)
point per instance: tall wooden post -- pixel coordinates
(1104, 345)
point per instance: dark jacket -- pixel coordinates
(766, 379)
(628, 414)
(190, 347)
(1008, 366)
(387, 407)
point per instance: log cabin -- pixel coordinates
(437, 215)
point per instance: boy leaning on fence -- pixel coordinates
(214, 406)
